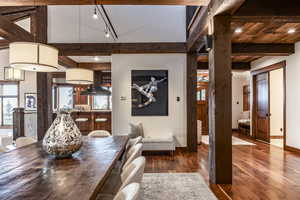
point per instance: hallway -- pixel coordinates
(260, 171)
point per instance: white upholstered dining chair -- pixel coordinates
(130, 192)
(133, 173)
(134, 152)
(99, 133)
(133, 142)
(24, 141)
(1, 150)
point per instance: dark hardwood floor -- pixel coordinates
(261, 172)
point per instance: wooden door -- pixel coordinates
(202, 105)
(262, 107)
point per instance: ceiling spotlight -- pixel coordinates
(238, 30)
(291, 31)
(95, 16)
(96, 58)
(107, 35)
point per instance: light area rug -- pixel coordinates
(235, 141)
(175, 186)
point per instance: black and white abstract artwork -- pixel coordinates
(30, 101)
(149, 92)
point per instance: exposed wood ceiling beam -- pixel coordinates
(200, 26)
(10, 10)
(244, 49)
(4, 44)
(15, 13)
(103, 2)
(13, 32)
(268, 11)
(96, 66)
(266, 19)
(67, 62)
(245, 66)
(94, 49)
(198, 29)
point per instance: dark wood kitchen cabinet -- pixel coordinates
(94, 120)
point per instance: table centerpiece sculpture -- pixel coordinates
(63, 138)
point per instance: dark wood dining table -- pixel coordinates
(28, 173)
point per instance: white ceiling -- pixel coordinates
(91, 59)
(24, 23)
(74, 24)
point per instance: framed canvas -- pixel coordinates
(30, 101)
(149, 93)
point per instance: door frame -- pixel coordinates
(267, 69)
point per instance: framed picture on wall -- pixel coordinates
(149, 93)
(30, 101)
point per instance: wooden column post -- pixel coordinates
(220, 112)
(44, 103)
(191, 85)
(44, 80)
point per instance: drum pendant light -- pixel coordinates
(80, 76)
(33, 57)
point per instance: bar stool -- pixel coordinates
(81, 120)
(100, 119)
(99, 133)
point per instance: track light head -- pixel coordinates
(95, 16)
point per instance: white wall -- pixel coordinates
(239, 79)
(27, 86)
(292, 92)
(122, 64)
(276, 102)
(72, 24)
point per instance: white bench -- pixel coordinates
(166, 143)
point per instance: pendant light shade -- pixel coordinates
(80, 76)
(33, 57)
(12, 74)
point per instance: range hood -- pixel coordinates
(96, 88)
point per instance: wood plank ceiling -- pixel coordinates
(260, 33)
(103, 2)
(264, 22)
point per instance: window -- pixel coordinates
(102, 102)
(62, 97)
(8, 101)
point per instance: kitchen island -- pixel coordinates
(89, 120)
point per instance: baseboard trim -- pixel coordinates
(292, 149)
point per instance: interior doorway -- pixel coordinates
(202, 103)
(269, 104)
(202, 106)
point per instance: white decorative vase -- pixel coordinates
(63, 138)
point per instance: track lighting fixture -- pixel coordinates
(107, 34)
(109, 31)
(95, 16)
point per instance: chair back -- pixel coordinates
(2, 150)
(134, 152)
(133, 142)
(133, 173)
(24, 141)
(99, 133)
(130, 192)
